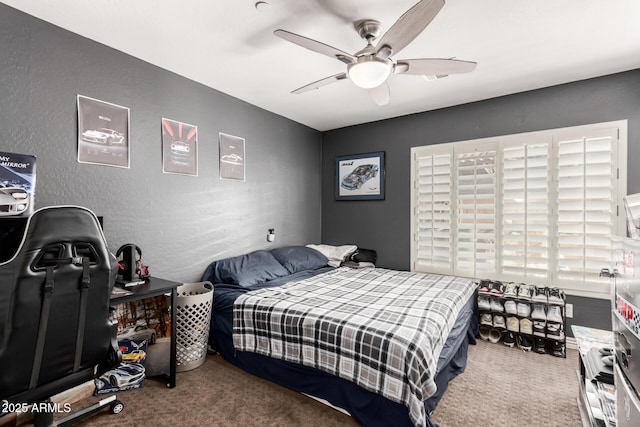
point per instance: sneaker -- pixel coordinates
(556, 296)
(513, 324)
(497, 288)
(484, 332)
(494, 336)
(511, 290)
(498, 322)
(496, 305)
(526, 326)
(486, 319)
(555, 331)
(524, 343)
(557, 349)
(539, 328)
(510, 307)
(540, 294)
(538, 312)
(484, 286)
(539, 345)
(524, 309)
(484, 304)
(554, 314)
(508, 339)
(525, 292)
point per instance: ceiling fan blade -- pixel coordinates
(321, 82)
(408, 27)
(433, 66)
(316, 46)
(380, 94)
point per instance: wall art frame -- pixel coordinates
(103, 133)
(360, 176)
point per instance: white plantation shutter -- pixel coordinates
(432, 212)
(526, 211)
(476, 213)
(586, 203)
(538, 208)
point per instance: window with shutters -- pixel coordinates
(538, 208)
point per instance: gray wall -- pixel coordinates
(180, 222)
(385, 225)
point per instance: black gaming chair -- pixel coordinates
(55, 331)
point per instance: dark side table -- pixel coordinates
(152, 287)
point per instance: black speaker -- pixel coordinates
(130, 266)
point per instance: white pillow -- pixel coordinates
(335, 254)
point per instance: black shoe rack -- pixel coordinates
(498, 325)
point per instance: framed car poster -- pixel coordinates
(360, 177)
(179, 148)
(231, 157)
(103, 133)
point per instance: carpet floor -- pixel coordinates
(500, 387)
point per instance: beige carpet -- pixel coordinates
(507, 387)
(501, 387)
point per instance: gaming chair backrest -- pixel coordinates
(65, 233)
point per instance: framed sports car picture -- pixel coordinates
(103, 133)
(179, 148)
(360, 176)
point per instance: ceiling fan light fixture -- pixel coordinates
(369, 72)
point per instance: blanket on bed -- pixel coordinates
(381, 329)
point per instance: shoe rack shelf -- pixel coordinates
(524, 316)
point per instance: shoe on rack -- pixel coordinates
(496, 305)
(510, 307)
(540, 294)
(486, 319)
(524, 343)
(484, 332)
(513, 324)
(557, 349)
(554, 313)
(556, 296)
(525, 292)
(511, 290)
(494, 336)
(484, 286)
(484, 304)
(555, 331)
(497, 288)
(524, 309)
(539, 345)
(498, 322)
(539, 328)
(526, 327)
(508, 339)
(538, 312)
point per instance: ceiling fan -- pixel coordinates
(370, 67)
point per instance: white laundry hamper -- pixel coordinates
(193, 316)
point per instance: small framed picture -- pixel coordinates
(103, 133)
(232, 164)
(179, 148)
(360, 177)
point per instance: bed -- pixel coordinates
(380, 344)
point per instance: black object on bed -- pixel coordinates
(235, 277)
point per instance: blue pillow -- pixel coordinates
(299, 258)
(247, 270)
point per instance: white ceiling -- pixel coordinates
(229, 45)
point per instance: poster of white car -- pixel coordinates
(17, 184)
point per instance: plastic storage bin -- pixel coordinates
(193, 315)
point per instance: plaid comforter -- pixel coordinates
(381, 329)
